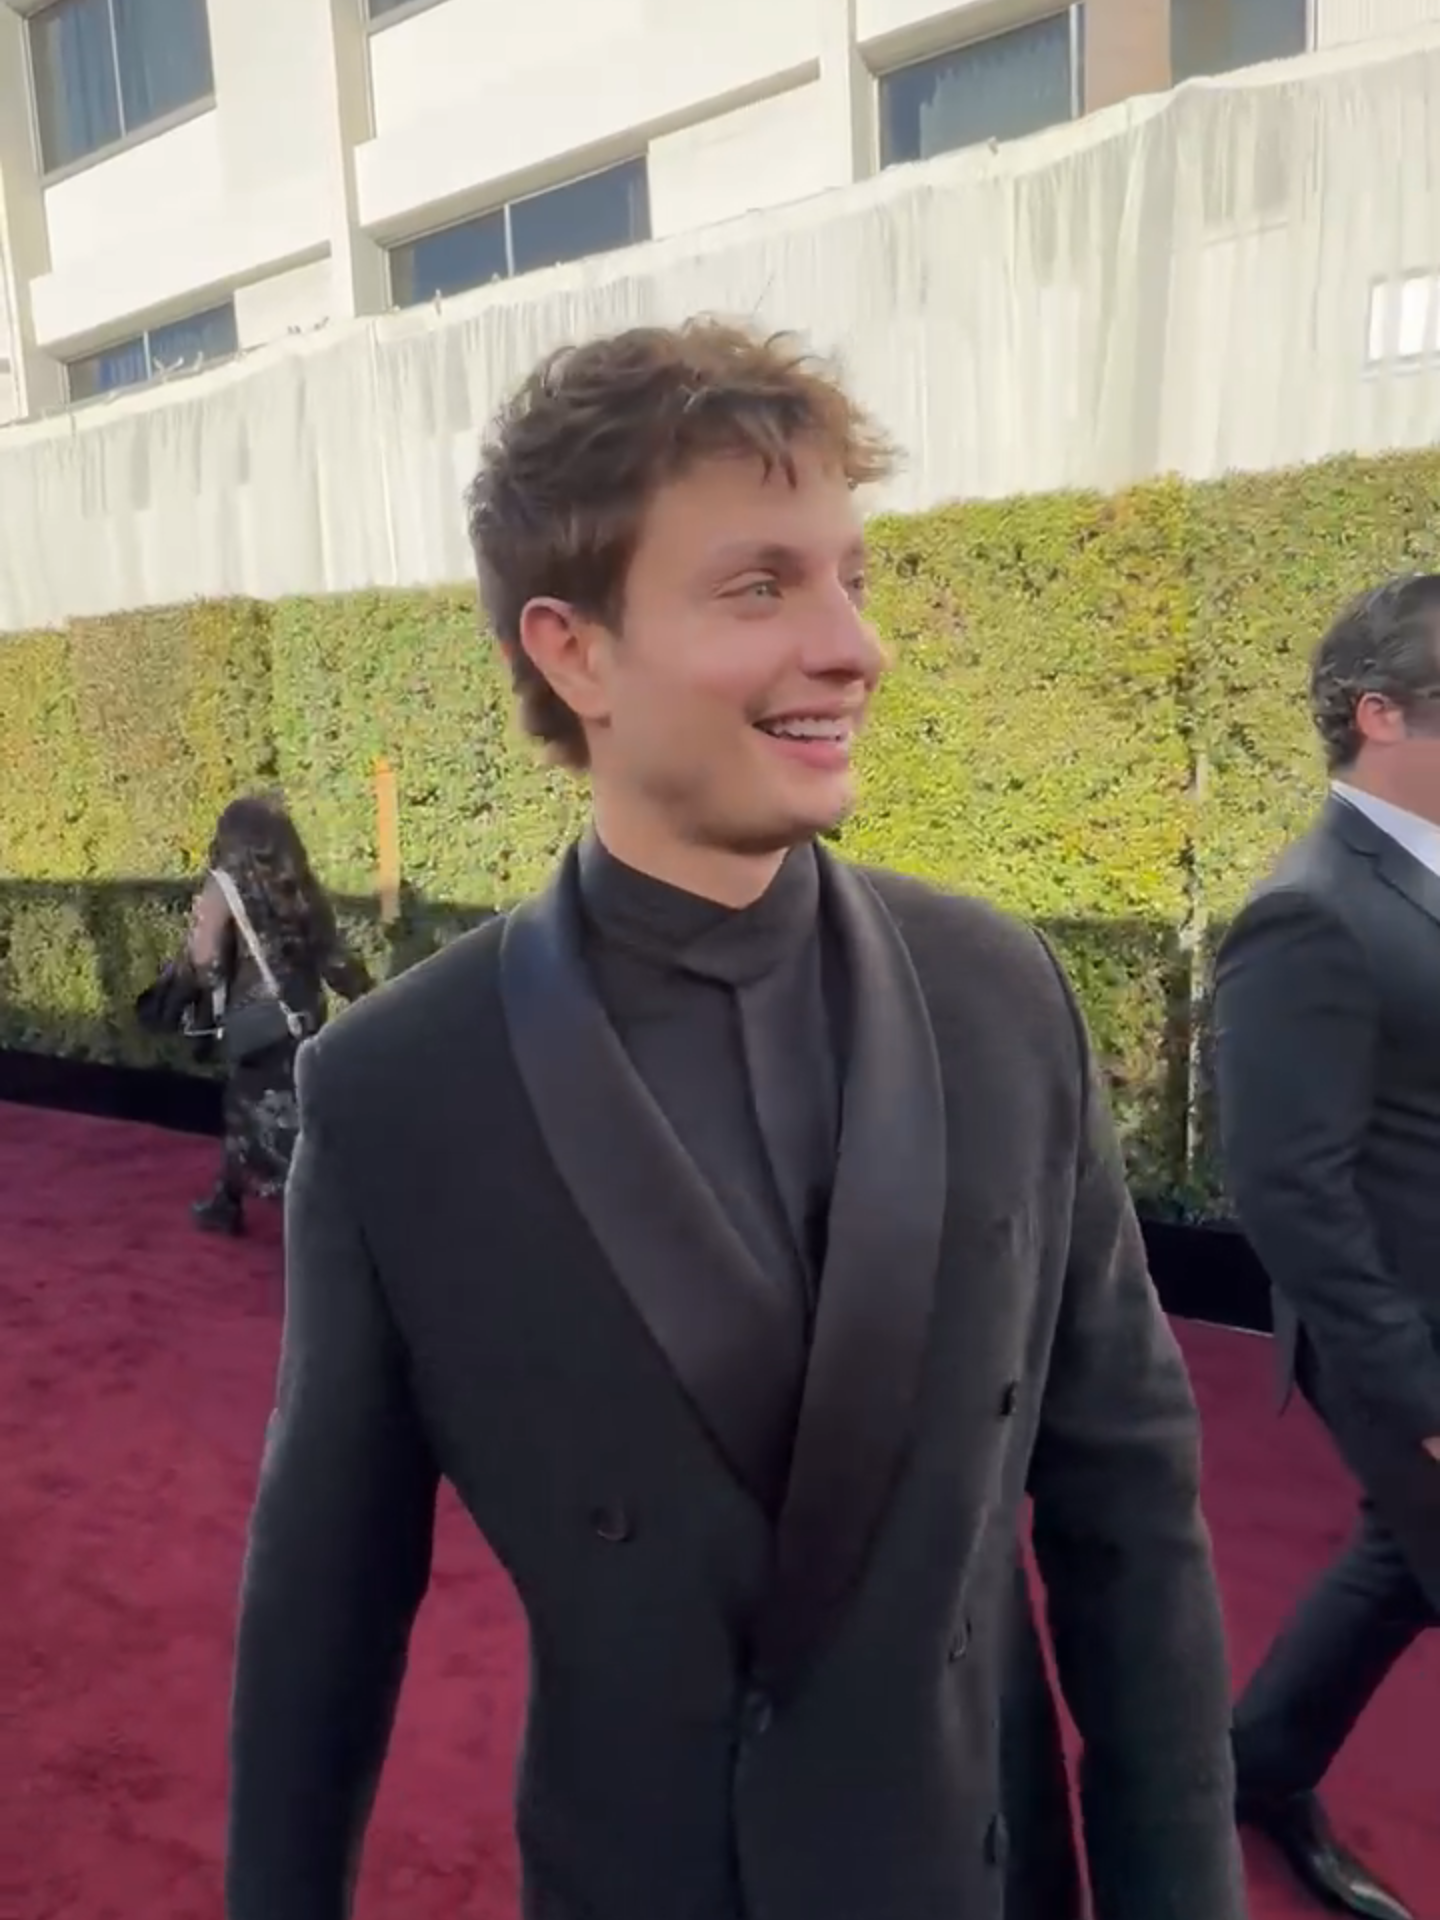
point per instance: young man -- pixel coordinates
(1328, 1059)
(743, 1236)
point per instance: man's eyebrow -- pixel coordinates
(771, 556)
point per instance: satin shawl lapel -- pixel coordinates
(718, 1320)
(1394, 864)
(878, 1286)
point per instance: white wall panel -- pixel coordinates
(762, 155)
(1341, 22)
(283, 303)
(138, 197)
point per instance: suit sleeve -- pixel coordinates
(337, 1563)
(1296, 1027)
(1125, 1556)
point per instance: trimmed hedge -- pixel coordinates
(1095, 717)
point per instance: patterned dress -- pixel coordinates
(260, 1114)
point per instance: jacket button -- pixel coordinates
(756, 1713)
(1009, 1399)
(959, 1646)
(997, 1842)
(611, 1524)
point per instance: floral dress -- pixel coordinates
(261, 1119)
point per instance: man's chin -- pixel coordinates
(792, 827)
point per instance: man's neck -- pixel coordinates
(711, 873)
(1366, 787)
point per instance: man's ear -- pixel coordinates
(1380, 722)
(565, 648)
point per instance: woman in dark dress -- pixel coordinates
(259, 850)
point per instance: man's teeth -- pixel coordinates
(800, 729)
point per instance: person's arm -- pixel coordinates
(209, 926)
(337, 1564)
(1125, 1558)
(1296, 1029)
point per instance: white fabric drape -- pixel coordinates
(1212, 279)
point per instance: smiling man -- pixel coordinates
(743, 1235)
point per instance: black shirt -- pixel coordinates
(726, 1016)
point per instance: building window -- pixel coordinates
(1404, 324)
(596, 214)
(203, 338)
(105, 69)
(997, 89)
(1220, 36)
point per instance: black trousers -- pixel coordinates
(1359, 1618)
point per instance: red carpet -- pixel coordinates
(136, 1362)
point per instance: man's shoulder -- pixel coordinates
(1312, 877)
(987, 976)
(959, 941)
(410, 1019)
(930, 911)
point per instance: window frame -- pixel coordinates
(143, 338)
(503, 207)
(403, 10)
(151, 129)
(1071, 11)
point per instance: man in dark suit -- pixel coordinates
(742, 1235)
(1327, 1001)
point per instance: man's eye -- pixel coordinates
(758, 590)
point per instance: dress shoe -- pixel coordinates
(1298, 1828)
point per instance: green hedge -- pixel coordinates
(1095, 717)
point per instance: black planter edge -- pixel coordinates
(1201, 1272)
(156, 1097)
(1207, 1272)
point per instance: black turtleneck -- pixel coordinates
(726, 1014)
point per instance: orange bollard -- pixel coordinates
(387, 841)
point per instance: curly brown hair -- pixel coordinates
(259, 846)
(1385, 642)
(575, 458)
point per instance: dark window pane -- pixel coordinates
(127, 365)
(379, 8)
(1219, 36)
(74, 68)
(201, 337)
(456, 258)
(164, 52)
(607, 210)
(996, 89)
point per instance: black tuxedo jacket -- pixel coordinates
(1327, 1030)
(504, 1269)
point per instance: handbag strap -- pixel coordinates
(257, 953)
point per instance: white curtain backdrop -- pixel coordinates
(1245, 273)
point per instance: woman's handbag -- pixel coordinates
(256, 1026)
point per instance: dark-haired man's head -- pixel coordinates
(1375, 693)
(671, 554)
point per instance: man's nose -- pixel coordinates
(844, 643)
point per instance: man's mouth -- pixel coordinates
(836, 729)
(820, 742)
